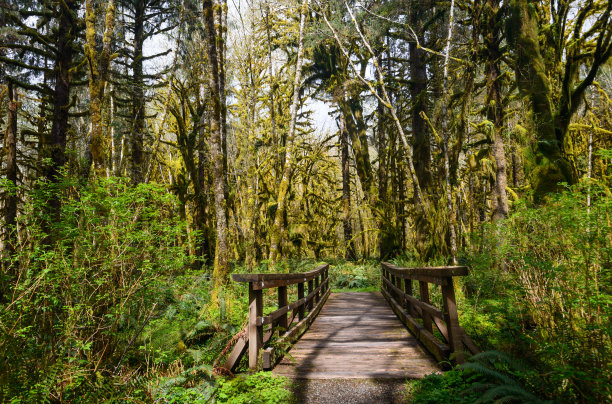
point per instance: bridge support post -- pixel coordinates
(255, 331)
(452, 320)
(424, 293)
(316, 285)
(282, 302)
(310, 289)
(301, 296)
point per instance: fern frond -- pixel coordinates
(489, 373)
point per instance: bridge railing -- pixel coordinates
(418, 313)
(291, 318)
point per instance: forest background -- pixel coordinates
(153, 147)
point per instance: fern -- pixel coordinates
(496, 369)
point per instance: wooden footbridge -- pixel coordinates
(378, 335)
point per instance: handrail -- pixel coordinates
(397, 283)
(253, 337)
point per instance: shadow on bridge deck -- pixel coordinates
(357, 336)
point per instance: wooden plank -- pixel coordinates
(443, 272)
(418, 305)
(300, 310)
(273, 354)
(239, 349)
(282, 303)
(255, 331)
(452, 322)
(356, 335)
(439, 350)
(276, 314)
(424, 295)
(264, 281)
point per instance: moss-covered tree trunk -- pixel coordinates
(421, 149)
(54, 143)
(98, 64)
(138, 96)
(221, 268)
(10, 204)
(552, 166)
(283, 188)
(495, 109)
(347, 226)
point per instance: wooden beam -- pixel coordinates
(452, 322)
(255, 331)
(282, 303)
(301, 310)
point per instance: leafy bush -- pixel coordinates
(347, 275)
(78, 300)
(541, 283)
(259, 388)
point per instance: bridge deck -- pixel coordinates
(357, 335)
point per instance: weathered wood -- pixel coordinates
(310, 290)
(443, 272)
(282, 303)
(469, 344)
(255, 331)
(452, 321)
(424, 295)
(356, 335)
(415, 305)
(239, 349)
(300, 309)
(439, 350)
(270, 318)
(273, 355)
(265, 281)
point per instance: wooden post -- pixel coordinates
(316, 285)
(255, 331)
(300, 296)
(408, 290)
(282, 302)
(326, 272)
(452, 320)
(424, 292)
(310, 289)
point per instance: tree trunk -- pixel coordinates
(349, 254)
(420, 135)
(10, 207)
(98, 76)
(446, 135)
(281, 201)
(552, 166)
(221, 268)
(138, 98)
(55, 143)
(495, 113)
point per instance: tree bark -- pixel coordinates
(533, 83)
(495, 111)
(138, 98)
(10, 208)
(221, 265)
(421, 149)
(54, 144)
(281, 201)
(349, 254)
(98, 77)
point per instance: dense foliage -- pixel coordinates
(151, 148)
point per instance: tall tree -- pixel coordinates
(221, 266)
(99, 64)
(285, 183)
(583, 41)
